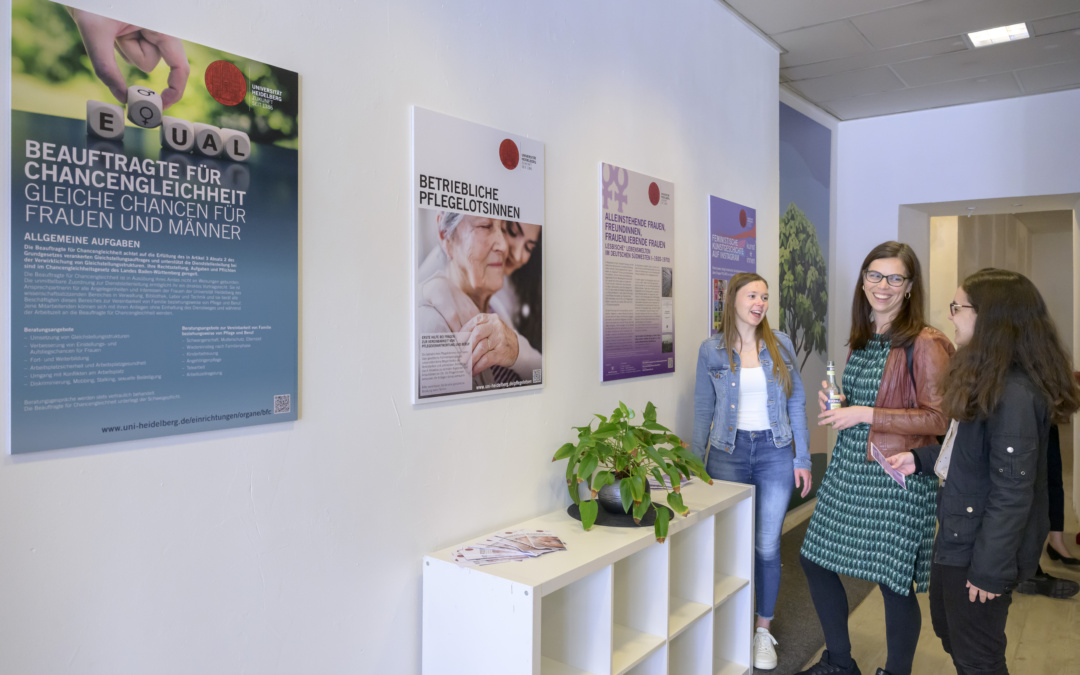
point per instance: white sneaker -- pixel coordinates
(764, 652)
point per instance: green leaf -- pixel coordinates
(588, 465)
(676, 504)
(602, 418)
(655, 426)
(637, 486)
(650, 413)
(626, 494)
(654, 454)
(602, 478)
(659, 476)
(641, 508)
(588, 513)
(565, 451)
(625, 410)
(573, 490)
(660, 527)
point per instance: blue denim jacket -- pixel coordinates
(716, 401)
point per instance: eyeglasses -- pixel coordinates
(954, 308)
(875, 277)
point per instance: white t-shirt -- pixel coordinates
(753, 399)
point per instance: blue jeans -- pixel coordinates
(757, 461)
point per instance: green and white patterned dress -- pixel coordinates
(865, 525)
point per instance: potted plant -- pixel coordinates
(621, 454)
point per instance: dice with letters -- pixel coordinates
(104, 120)
(208, 140)
(177, 134)
(144, 106)
(237, 144)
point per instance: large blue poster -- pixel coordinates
(154, 224)
(732, 249)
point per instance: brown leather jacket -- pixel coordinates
(908, 415)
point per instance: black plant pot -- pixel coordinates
(610, 498)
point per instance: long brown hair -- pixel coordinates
(911, 319)
(1012, 328)
(762, 332)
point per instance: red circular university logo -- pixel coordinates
(508, 154)
(654, 193)
(742, 217)
(225, 83)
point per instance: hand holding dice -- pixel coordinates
(144, 109)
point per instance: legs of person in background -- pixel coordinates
(831, 605)
(903, 622)
(1055, 546)
(756, 460)
(972, 633)
(1048, 585)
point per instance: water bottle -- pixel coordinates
(832, 390)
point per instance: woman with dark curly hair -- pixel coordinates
(1009, 381)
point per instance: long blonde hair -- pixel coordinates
(762, 332)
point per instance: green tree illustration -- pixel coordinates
(804, 293)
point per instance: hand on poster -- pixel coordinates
(494, 343)
(140, 47)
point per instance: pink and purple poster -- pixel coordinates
(732, 249)
(638, 317)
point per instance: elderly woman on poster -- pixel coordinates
(462, 289)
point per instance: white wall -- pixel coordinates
(296, 548)
(947, 155)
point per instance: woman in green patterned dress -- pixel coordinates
(866, 525)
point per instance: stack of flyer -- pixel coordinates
(509, 546)
(655, 484)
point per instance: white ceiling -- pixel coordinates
(862, 58)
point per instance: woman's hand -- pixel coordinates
(842, 418)
(494, 343)
(903, 462)
(803, 479)
(823, 397)
(976, 592)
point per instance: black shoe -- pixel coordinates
(825, 667)
(1057, 557)
(882, 671)
(1050, 586)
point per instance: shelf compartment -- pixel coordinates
(732, 634)
(576, 624)
(553, 667)
(630, 647)
(691, 652)
(734, 536)
(726, 668)
(641, 606)
(654, 664)
(726, 587)
(684, 613)
(691, 578)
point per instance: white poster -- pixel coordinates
(638, 318)
(478, 271)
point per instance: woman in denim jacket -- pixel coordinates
(750, 410)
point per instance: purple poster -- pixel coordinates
(732, 249)
(638, 315)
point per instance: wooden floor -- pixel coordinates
(1043, 634)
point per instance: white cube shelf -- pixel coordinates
(615, 602)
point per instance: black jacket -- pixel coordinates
(992, 510)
